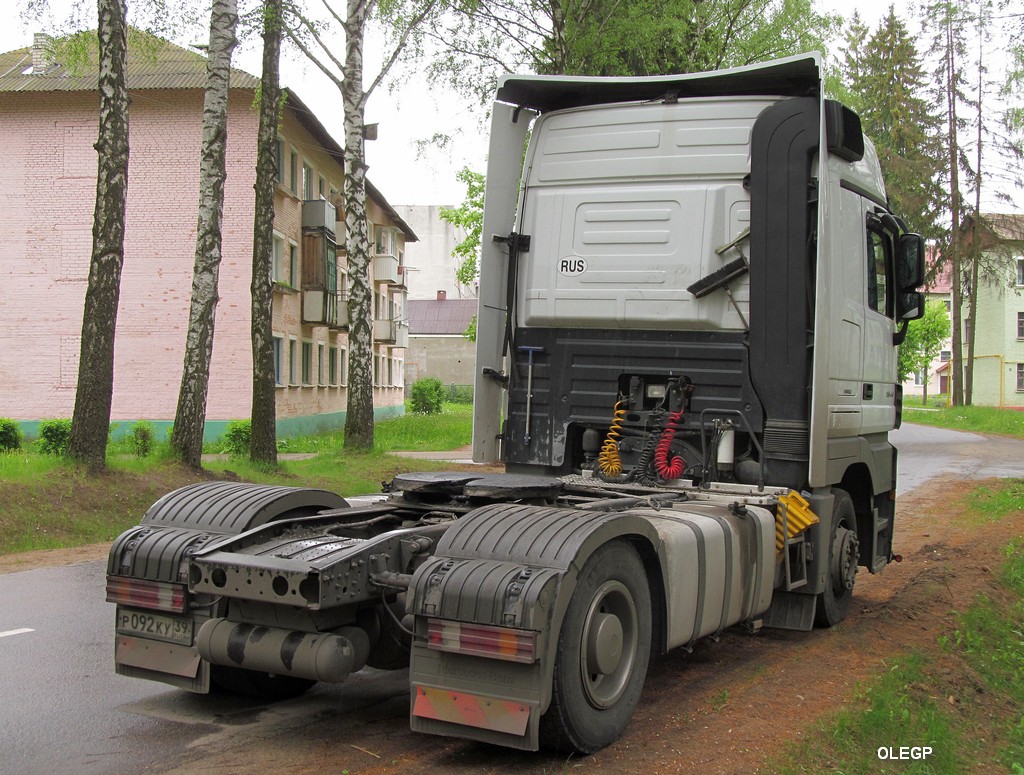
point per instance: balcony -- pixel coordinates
(385, 269)
(319, 214)
(394, 333)
(325, 308)
(403, 277)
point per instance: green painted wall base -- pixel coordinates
(287, 427)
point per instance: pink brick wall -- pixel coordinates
(47, 180)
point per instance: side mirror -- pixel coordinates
(910, 263)
(911, 306)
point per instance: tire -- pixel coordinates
(843, 547)
(262, 686)
(603, 650)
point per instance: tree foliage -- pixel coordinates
(979, 154)
(923, 342)
(468, 216)
(887, 83)
(484, 38)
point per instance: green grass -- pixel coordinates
(976, 419)
(907, 706)
(49, 502)
(991, 640)
(451, 429)
(894, 710)
(990, 503)
(345, 473)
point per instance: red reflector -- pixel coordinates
(482, 640)
(159, 595)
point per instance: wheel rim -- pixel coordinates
(609, 640)
(844, 561)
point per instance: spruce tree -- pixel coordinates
(889, 82)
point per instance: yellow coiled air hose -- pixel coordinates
(608, 460)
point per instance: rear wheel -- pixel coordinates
(603, 651)
(843, 549)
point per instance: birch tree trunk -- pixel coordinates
(91, 418)
(190, 418)
(263, 441)
(359, 411)
(347, 75)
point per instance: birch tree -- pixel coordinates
(263, 441)
(313, 39)
(91, 417)
(190, 417)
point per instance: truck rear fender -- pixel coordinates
(198, 516)
(512, 566)
(156, 554)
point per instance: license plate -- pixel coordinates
(171, 629)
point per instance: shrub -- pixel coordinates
(140, 438)
(459, 394)
(54, 436)
(235, 440)
(10, 434)
(428, 395)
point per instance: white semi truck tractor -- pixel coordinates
(692, 290)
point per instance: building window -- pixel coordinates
(385, 241)
(918, 378)
(1020, 377)
(293, 361)
(321, 372)
(307, 363)
(343, 366)
(293, 264)
(321, 186)
(278, 361)
(332, 365)
(293, 171)
(1020, 271)
(279, 263)
(307, 181)
(1020, 325)
(945, 355)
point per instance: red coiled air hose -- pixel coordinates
(674, 469)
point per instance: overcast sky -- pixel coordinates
(412, 112)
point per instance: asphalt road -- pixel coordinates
(64, 710)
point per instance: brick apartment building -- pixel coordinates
(49, 120)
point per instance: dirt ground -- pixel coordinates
(727, 707)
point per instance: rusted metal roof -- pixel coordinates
(153, 63)
(444, 316)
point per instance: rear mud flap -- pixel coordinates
(475, 698)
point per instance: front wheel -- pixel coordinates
(603, 650)
(843, 549)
